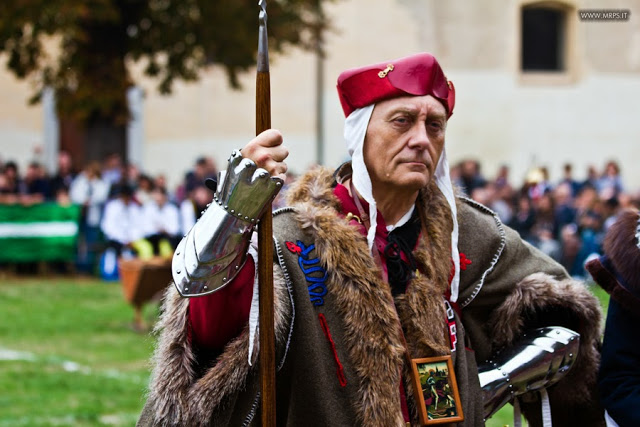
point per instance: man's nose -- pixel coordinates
(419, 136)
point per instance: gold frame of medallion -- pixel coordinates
(441, 368)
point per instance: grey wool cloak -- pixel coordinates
(339, 348)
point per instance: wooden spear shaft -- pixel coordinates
(265, 242)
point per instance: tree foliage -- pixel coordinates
(84, 48)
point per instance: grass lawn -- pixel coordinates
(69, 356)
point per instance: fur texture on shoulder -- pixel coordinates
(177, 396)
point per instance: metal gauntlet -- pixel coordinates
(541, 358)
(215, 249)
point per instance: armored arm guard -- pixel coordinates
(215, 249)
(538, 360)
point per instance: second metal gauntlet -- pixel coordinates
(539, 359)
(215, 249)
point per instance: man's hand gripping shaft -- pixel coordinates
(215, 249)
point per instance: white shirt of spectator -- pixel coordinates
(161, 219)
(187, 216)
(93, 192)
(122, 223)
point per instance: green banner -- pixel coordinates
(41, 232)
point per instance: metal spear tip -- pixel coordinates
(263, 12)
(263, 45)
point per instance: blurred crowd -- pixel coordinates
(124, 210)
(131, 213)
(566, 218)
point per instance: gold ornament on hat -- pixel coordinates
(382, 74)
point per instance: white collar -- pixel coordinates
(402, 221)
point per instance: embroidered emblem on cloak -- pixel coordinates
(464, 262)
(313, 272)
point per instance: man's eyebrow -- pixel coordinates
(403, 109)
(414, 111)
(438, 115)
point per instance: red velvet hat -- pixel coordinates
(418, 75)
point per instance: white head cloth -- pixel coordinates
(355, 130)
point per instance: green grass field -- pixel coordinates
(70, 357)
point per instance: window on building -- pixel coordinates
(543, 39)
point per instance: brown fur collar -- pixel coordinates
(574, 307)
(177, 397)
(355, 281)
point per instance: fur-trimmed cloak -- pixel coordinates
(340, 351)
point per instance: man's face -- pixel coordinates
(404, 141)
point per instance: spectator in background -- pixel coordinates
(547, 243)
(500, 202)
(191, 207)
(592, 178)
(470, 176)
(3, 186)
(544, 228)
(538, 183)
(609, 185)
(34, 187)
(544, 214)
(162, 223)
(64, 175)
(112, 171)
(502, 179)
(204, 168)
(12, 183)
(122, 222)
(616, 206)
(564, 212)
(626, 201)
(524, 218)
(482, 196)
(132, 176)
(590, 221)
(503, 195)
(62, 197)
(570, 243)
(454, 173)
(144, 189)
(160, 181)
(567, 178)
(89, 190)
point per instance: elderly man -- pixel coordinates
(377, 265)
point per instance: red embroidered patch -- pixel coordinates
(325, 328)
(464, 261)
(293, 247)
